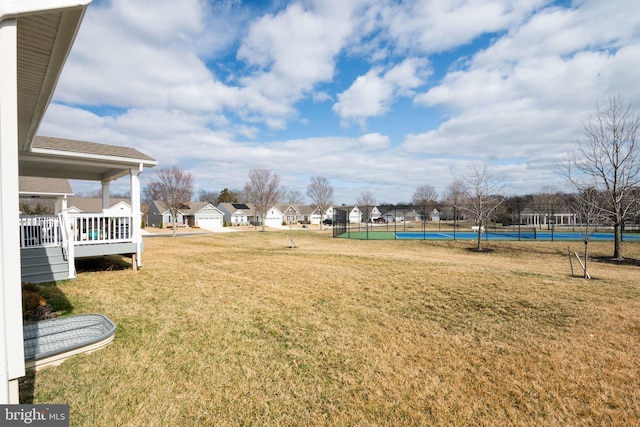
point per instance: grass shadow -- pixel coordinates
(40, 302)
(103, 263)
(482, 251)
(617, 261)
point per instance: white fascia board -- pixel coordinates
(43, 195)
(11, 9)
(84, 156)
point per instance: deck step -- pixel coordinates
(40, 265)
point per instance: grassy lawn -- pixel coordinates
(239, 329)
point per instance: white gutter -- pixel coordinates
(10, 295)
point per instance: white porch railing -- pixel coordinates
(90, 229)
(81, 229)
(40, 231)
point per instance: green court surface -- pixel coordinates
(491, 235)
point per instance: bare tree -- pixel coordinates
(544, 203)
(425, 198)
(485, 196)
(146, 199)
(263, 190)
(586, 205)
(37, 206)
(367, 201)
(609, 158)
(208, 196)
(320, 192)
(291, 196)
(172, 187)
(455, 195)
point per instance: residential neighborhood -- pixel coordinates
(319, 213)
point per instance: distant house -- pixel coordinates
(160, 216)
(238, 213)
(395, 215)
(117, 206)
(297, 214)
(354, 214)
(190, 214)
(202, 214)
(246, 214)
(39, 189)
(374, 213)
(274, 217)
(412, 215)
(329, 214)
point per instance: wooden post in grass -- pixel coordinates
(570, 260)
(584, 267)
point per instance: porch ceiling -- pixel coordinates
(45, 33)
(46, 30)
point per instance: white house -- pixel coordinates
(354, 214)
(205, 215)
(117, 206)
(374, 213)
(237, 213)
(274, 217)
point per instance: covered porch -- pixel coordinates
(79, 234)
(50, 244)
(35, 39)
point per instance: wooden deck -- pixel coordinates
(51, 243)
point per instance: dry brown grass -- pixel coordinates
(239, 329)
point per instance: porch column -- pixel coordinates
(105, 195)
(11, 339)
(60, 204)
(135, 213)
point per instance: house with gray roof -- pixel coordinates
(51, 192)
(190, 214)
(238, 213)
(246, 214)
(94, 205)
(296, 213)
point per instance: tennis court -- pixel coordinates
(490, 235)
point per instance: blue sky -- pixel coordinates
(374, 95)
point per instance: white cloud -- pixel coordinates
(435, 26)
(293, 51)
(126, 58)
(212, 87)
(373, 93)
(374, 141)
(321, 97)
(524, 97)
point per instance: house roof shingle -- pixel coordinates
(30, 185)
(92, 204)
(60, 144)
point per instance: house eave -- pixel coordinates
(84, 166)
(93, 157)
(46, 32)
